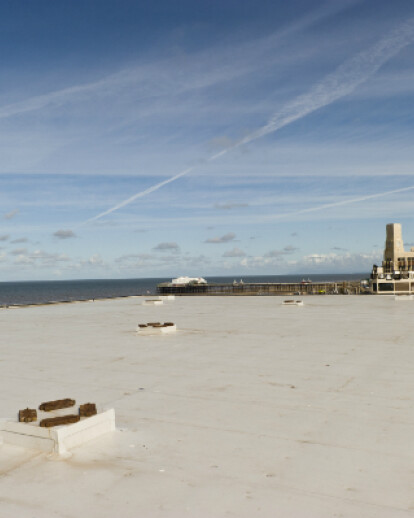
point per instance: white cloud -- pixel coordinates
(314, 263)
(163, 247)
(289, 249)
(235, 252)
(19, 251)
(64, 234)
(274, 253)
(4, 237)
(223, 239)
(96, 260)
(339, 262)
(133, 257)
(40, 258)
(198, 261)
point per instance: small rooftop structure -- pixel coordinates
(292, 303)
(156, 328)
(55, 431)
(153, 302)
(166, 297)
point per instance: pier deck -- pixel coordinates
(298, 288)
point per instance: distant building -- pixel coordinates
(396, 274)
(184, 281)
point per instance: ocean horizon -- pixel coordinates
(41, 292)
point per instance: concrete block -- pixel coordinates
(155, 302)
(404, 297)
(159, 330)
(60, 439)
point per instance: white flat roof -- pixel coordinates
(250, 409)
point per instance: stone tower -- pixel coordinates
(394, 246)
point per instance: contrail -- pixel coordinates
(137, 195)
(343, 202)
(334, 86)
(133, 74)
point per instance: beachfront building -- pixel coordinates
(186, 281)
(396, 274)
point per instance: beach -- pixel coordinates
(251, 408)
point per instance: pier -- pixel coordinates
(296, 288)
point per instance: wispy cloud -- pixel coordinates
(223, 239)
(356, 262)
(4, 237)
(344, 80)
(19, 240)
(152, 79)
(40, 258)
(341, 203)
(163, 247)
(64, 234)
(96, 260)
(11, 214)
(230, 205)
(278, 253)
(235, 252)
(19, 251)
(314, 263)
(134, 257)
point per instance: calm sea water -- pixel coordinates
(39, 292)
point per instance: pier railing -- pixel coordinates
(314, 288)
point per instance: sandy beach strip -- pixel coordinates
(250, 409)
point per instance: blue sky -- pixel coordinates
(203, 138)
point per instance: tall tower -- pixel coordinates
(394, 246)
(396, 274)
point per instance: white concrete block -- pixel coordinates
(403, 297)
(151, 302)
(59, 439)
(150, 330)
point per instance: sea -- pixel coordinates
(43, 292)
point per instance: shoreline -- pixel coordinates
(221, 295)
(27, 293)
(57, 302)
(222, 290)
